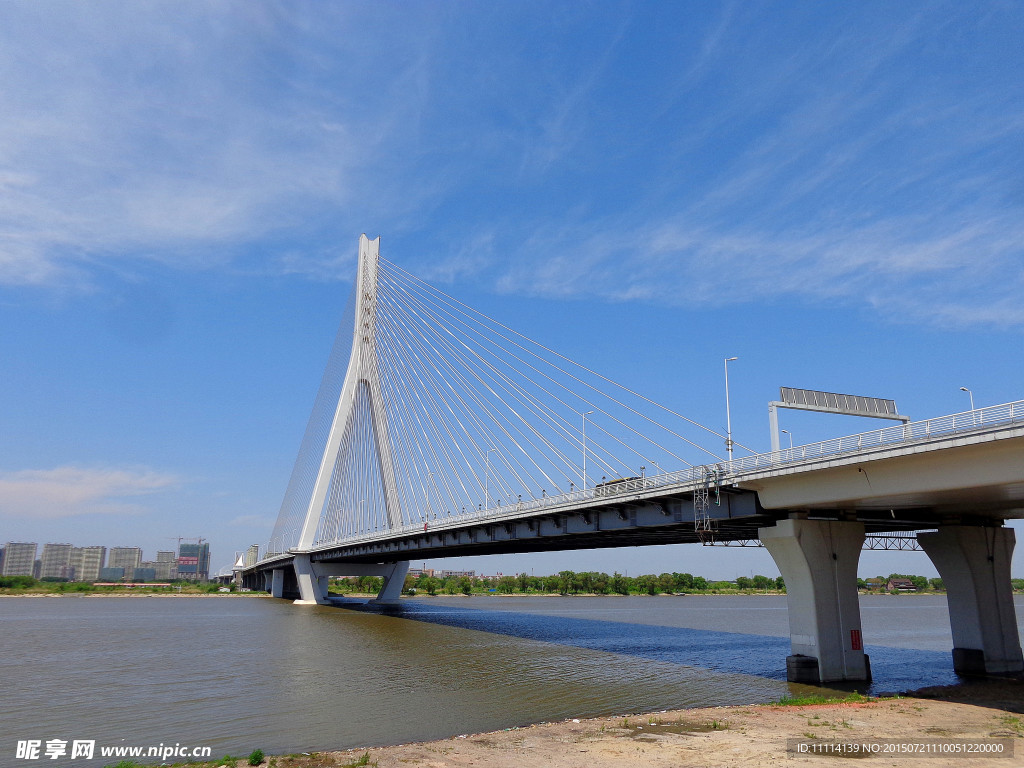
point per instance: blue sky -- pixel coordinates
(832, 193)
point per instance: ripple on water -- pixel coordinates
(236, 674)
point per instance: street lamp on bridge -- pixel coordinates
(728, 416)
(585, 449)
(969, 394)
(487, 477)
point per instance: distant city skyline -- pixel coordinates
(91, 563)
(827, 193)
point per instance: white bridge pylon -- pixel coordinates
(431, 413)
(362, 383)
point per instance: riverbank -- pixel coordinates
(731, 737)
(131, 593)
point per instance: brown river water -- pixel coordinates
(237, 673)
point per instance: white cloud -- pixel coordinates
(167, 142)
(72, 491)
(966, 271)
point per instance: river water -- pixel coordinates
(237, 673)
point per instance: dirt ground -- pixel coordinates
(732, 736)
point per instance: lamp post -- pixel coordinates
(969, 394)
(787, 432)
(728, 415)
(487, 477)
(585, 449)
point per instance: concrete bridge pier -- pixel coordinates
(974, 563)
(312, 582)
(818, 560)
(394, 579)
(312, 578)
(276, 587)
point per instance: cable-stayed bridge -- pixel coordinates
(438, 432)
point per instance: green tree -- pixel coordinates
(647, 584)
(17, 582)
(620, 584)
(763, 582)
(684, 581)
(743, 582)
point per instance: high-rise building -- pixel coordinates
(86, 563)
(127, 558)
(166, 566)
(56, 561)
(252, 555)
(194, 562)
(19, 558)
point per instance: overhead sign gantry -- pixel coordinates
(829, 402)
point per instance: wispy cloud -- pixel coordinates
(73, 491)
(175, 142)
(742, 156)
(864, 182)
(964, 271)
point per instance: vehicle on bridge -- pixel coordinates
(618, 485)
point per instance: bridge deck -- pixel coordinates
(960, 468)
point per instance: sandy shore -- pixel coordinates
(725, 736)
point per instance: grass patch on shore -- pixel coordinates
(819, 698)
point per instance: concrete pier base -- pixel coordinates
(394, 580)
(312, 578)
(277, 583)
(818, 560)
(974, 563)
(312, 584)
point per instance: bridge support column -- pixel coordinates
(974, 563)
(277, 582)
(818, 560)
(394, 579)
(312, 586)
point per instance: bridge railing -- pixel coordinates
(715, 474)
(939, 426)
